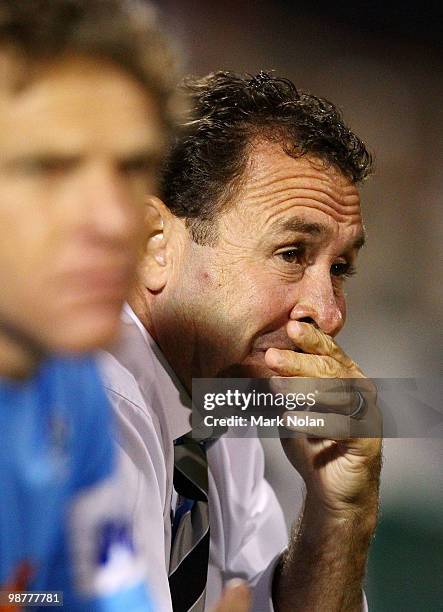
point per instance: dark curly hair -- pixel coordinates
(124, 32)
(229, 112)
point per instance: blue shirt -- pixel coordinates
(61, 525)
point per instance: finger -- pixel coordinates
(331, 394)
(312, 340)
(368, 422)
(235, 598)
(337, 395)
(318, 424)
(290, 363)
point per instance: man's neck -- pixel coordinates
(18, 359)
(141, 305)
(138, 303)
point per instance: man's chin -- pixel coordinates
(88, 332)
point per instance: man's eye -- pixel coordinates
(343, 270)
(291, 255)
(139, 165)
(47, 165)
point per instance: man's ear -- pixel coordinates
(154, 265)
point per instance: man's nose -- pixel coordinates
(112, 209)
(317, 303)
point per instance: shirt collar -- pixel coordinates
(175, 401)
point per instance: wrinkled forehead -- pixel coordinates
(275, 182)
(75, 105)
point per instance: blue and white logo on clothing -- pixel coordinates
(114, 542)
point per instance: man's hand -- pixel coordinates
(325, 562)
(340, 472)
(235, 598)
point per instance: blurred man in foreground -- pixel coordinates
(258, 227)
(83, 117)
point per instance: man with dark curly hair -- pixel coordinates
(257, 228)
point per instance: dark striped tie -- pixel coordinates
(190, 531)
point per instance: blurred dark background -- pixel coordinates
(417, 21)
(382, 64)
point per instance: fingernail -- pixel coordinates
(295, 327)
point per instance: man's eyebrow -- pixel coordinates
(154, 151)
(143, 156)
(297, 224)
(359, 242)
(33, 160)
(152, 156)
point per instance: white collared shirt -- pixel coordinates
(248, 531)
